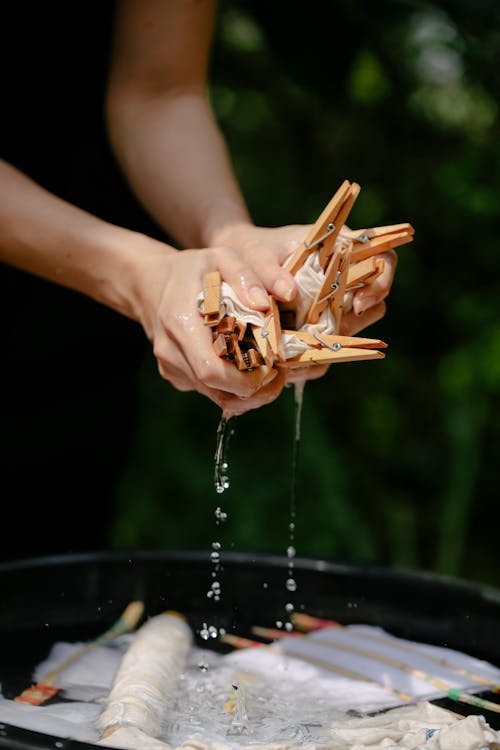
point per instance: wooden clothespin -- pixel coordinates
(233, 341)
(347, 258)
(326, 229)
(332, 290)
(212, 308)
(365, 272)
(370, 242)
(330, 349)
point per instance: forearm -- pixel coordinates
(176, 161)
(46, 236)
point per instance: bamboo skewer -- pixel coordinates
(241, 643)
(46, 687)
(308, 624)
(455, 694)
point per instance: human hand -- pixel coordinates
(168, 285)
(266, 250)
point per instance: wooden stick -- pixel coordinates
(455, 694)
(238, 642)
(45, 689)
(308, 624)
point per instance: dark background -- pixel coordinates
(398, 458)
(397, 462)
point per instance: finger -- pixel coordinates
(243, 279)
(265, 395)
(186, 350)
(278, 281)
(267, 261)
(372, 294)
(267, 254)
(352, 323)
(172, 365)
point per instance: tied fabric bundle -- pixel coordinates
(329, 266)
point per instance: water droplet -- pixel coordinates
(215, 545)
(224, 432)
(291, 526)
(291, 584)
(210, 594)
(214, 556)
(212, 631)
(289, 607)
(204, 632)
(291, 551)
(220, 515)
(216, 598)
(203, 667)
(279, 624)
(216, 586)
(222, 631)
(288, 627)
(264, 585)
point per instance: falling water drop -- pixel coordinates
(224, 432)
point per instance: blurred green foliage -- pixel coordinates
(398, 459)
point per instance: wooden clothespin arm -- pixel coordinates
(326, 229)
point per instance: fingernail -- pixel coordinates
(284, 289)
(362, 304)
(258, 296)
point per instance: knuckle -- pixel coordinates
(203, 371)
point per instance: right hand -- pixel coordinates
(169, 283)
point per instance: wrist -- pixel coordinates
(134, 281)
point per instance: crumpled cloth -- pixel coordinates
(420, 727)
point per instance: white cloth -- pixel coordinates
(319, 696)
(148, 675)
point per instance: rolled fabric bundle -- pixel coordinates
(147, 677)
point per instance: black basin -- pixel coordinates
(76, 597)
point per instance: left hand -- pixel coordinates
(265, 250)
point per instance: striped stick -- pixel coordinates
(307, 624)
(241, 643)
(46, 688)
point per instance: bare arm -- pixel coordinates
(172, 152)
(139, 277)
(166, 139)
(160, 122)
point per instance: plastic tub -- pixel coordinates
(77, 597)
